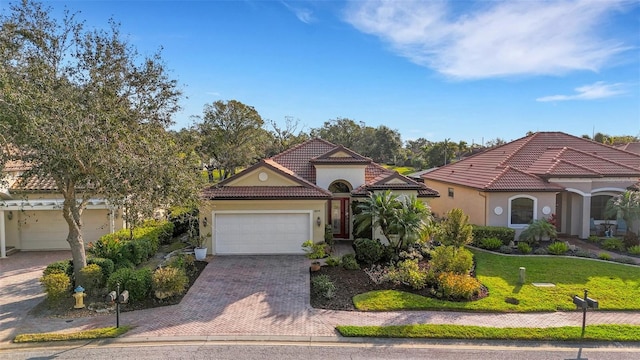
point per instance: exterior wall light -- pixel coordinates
(205, 221)
(318, 221)
(10, 215)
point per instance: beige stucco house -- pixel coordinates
(31, 216)
(275, 205)
(538, 176)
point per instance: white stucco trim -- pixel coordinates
(48, 204)
(581, 193)
(535, 210)
(608, 189)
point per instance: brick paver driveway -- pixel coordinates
(241, 296)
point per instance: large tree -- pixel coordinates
(232, 135)
(84, 109)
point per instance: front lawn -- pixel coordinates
(565, 333)
(615, 286)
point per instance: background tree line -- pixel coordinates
(231, 135)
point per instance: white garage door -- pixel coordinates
(261, 233)
(47, 229)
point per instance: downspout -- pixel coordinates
(486, 211)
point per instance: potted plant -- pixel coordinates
(199, 246)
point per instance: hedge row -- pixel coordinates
(502, 233)
(128, 249)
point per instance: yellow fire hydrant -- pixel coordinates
(79, 296)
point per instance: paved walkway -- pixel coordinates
(240, 296)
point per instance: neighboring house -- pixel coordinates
(31, 215)
(535, 177)
(275, 205)
(633, 147)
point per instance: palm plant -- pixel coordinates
(402, 219)
(625, 206)
(537, 230)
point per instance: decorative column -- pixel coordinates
(586, 216)
(3, 239)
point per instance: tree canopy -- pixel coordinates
(83, 108)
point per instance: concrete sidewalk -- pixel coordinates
(243, 297)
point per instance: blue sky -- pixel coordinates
(462, 70)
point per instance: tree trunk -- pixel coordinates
(72, 213)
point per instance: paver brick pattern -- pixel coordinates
(243, 296)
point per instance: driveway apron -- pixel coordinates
(242, 296)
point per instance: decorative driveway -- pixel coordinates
(242, 296)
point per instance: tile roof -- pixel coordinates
(263, 192)
(297, 163)
(34, 183)
(527, 163)
(633, 147)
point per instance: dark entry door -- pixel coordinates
(340, 217)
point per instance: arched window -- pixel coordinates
(339, 187)
(522, 210)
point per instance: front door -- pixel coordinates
(339, 217)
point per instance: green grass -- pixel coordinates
(615, 286)
(102, 333)
(566, 333)
(404, 170)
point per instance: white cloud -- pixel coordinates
(492, 39)
(303, 14)
(213, 93)
(598, 90)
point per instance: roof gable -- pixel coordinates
(540, 155)
(341, 155)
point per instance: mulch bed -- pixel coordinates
(65, 308)
(350, 283)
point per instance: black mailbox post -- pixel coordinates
(584, 303)
(123, 298)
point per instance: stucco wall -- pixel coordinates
(469, 200)
(327, 174)
(317, 206)
(255, 179)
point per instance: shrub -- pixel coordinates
(504, 249)
(106, 265)
(604, 256)
(314, 251)
(186, 262)
(558, 248)
(585, 254)
(456, 229)
(378, 274)
(408, 272)
(123, 264)
(458, 286)
(169, 281)
(56, 285)
(368, 251)
(538, 230)
(349, 262)
(109, 246)
(332, 261)
(524, 248)
(541, 251)
(135, 245)
(613, 244)
(502, 233)
(594, 239)
(491, 243)
(631, 239)
(91, 278)
(634, 250)
(451, 259)
(184, 220)
(322, 286)
(60, 267)
(137, 282)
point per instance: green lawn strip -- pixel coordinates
(429, 331)
(615, 286)
(404, 170)
(108, 332)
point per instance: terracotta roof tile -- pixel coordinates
(297, 158)
(263, 192)
(542, 155)
(34, 183)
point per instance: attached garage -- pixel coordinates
(264, 232)
(47, 229)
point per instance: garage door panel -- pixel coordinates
(261, 233)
